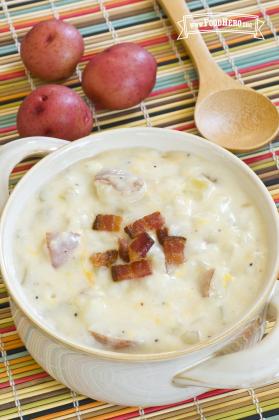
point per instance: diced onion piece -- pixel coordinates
(191, 337)
(107, 222)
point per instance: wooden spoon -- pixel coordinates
(227, 113)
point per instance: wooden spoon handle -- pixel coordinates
(176, 9)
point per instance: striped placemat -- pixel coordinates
(26, 391)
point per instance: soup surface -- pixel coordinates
(188, 268)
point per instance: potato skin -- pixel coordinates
(52, 49)
(120, 77)
(54, 111)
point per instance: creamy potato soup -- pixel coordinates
(137, 250)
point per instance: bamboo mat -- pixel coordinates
(26, 391)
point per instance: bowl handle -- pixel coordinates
(14, 152)
(251, 367)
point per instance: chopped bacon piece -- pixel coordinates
(113, 342)
(123, 249)
(205, 282)
(134, 270)
(162, 234)
(140, 246)
(152, 221)
(61, 246)
(174, 249)
(106, 258)
(108, 222)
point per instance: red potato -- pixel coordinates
(52, 49)
(54, 111)
(120, 77)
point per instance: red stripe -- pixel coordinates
(183, 127)
(7, 129)
(213, 393)
(7, 329)
(259, 66)
(245, 70)
(258, 158)
(269, 12)
(25, 379)
(12, 75)
(157, 40)
(22, 168)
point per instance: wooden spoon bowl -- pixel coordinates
(237, 119)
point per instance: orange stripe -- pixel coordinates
(9, 338)
(21, 369)
(116, 413)
(20, 360)
(14, 345)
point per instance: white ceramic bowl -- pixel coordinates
(131, 379)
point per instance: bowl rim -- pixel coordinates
(145, 357)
